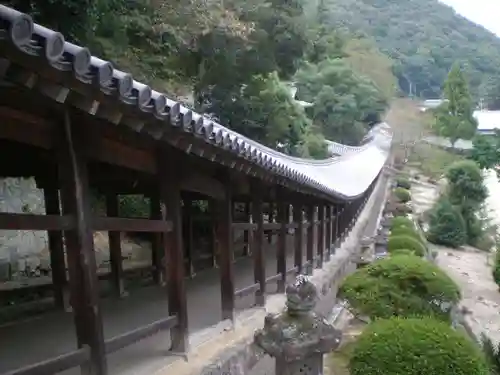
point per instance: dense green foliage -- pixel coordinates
(233, 61)
(402, 194)
(454, 117)
(486, 150)
(402, 252)
(425, 38)
(413, 347)
(401, 222)
(466, 191)
(405, 242)
(406, 231)
(492, 353)
(446, 225)
(496, 268)
(403, 182)
(403, 285)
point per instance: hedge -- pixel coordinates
(399, 346)
(446, 225)
(403, 285)
(402, 222)
(406, 242)
(406, 231)
(402, 195)
(402, 252)
(403, 183)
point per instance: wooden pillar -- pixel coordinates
(188, 207)
(224, 236)
(298, 218)
(56, 247)
(259, 263)
(335, 219)
(248, 234)
(310, 238)
(328, 239)
(157, 248)
(170, 195)
(320, 251)
(83, 280)
(283, 219)
(115, 248)
(271, 220)
(212, 210)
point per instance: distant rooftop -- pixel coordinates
(487, 121)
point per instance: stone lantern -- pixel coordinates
(298, 337)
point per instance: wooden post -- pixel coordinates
(247, 234)
(224, 235)
(157, 248)
(212, 210)
(320, 251)
(115, 249)
(170, 195)
(83, 280)
(56, 247)
(328, 239)
(259, 262)
(310, 238)
(298, 218)
(335, 219)
(188, 206)
(283, 218)
(270, 220)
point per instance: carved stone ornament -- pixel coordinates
(298, 332)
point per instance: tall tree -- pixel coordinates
(454, 118)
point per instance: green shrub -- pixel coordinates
(406, 231)
(401, 210)
(402, 252)
(399, 346)
(401, 222)
(496, 268)
(446, 225)
(403, 182)
(404, 285)
(402, 195)
(406, 242)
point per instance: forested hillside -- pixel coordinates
(424, 38)
(232, 60)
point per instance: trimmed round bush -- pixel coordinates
(402, 194)
(401, 210)
(405, 242)
(403, 285)
(406, 231)
(402, 252)
(446, 225)
(401, 222)
(403, 182)
(400, 346)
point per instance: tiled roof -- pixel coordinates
(47, 53)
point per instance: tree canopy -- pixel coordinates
(236, 62)
(424, 38)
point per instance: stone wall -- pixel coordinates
(21, 249)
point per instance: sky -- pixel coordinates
(482, 12)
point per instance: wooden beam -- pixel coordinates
(157, 248)
(170, 194)
(115, 248)
(56, 246)
(259, 264)
(298, 218)
(310, 238)
(224, 235)
(80, 248)
(283, 219)
(321, 236)
(329, 231)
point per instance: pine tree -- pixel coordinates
(454, 118)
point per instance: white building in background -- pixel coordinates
(487, 121)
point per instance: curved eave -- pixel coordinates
(45, 52)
